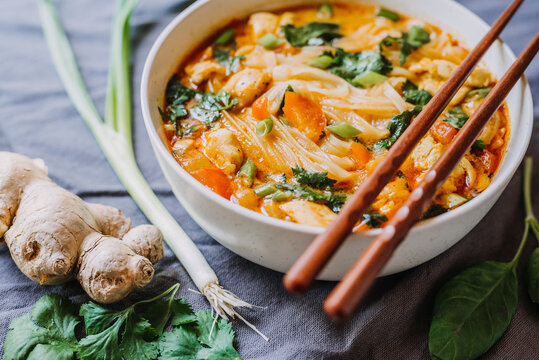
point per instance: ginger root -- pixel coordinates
(54, 236)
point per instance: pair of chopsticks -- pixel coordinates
(348, 293)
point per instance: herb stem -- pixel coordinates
(174, 288)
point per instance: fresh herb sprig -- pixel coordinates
(49, 332)
(415, 96)
(473, 310)
(317, 180)
(411, 40)
(456, 117)
(314, 33)
(331, 199)
(397, 125)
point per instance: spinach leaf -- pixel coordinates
(473, 310)
(317, 180)
(397, 125)
(433, 210)
(314, 33)
(374, 219)
(209, 106)
(533, 275)
(456, 117)
(415, 96)
(411, 40)
(333, 200)
(350, 66)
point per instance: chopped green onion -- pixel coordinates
(325, 11)
(388, 14)
(225, 37)
(368, 78)
(264, 127)
(248, 170)
(280, 195)
(479, 93)
(265, 190)
(270, 41)
(343, 129)
(323, 61)
(454, 200)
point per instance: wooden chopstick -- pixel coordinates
(318, 253)
(344, 298)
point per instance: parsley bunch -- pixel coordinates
(48, 332)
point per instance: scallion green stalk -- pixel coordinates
(343, 129)
(115, 139)
(270, 41)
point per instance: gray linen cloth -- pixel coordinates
(38, 120)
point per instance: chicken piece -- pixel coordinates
(426, 153)
(247, 85)
(263, 23)
(479, 78)
(287, 18)
(202, 71)
(308, 213)
(223, 150)
(442, 68)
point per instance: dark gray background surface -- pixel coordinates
(38, 120)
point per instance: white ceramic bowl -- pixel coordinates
(275, 243)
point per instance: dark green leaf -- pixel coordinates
(478, 93)
(137, 339)
(413, 39)
(231, 63)
(179, 344)
(217, 335)
(472, 311)
(397, 125)
(209, 106)
(393, 16)
(103, 345)
(433, 210)
(47, 333)
(318, 180)
(350, 66)
(456, 117)
(374, 219)
(226, 37)
(97, 318)
(333, 200)
(177, 93)
(479, 145)
(415, 96)
(314, 33)
(182, 313)
(533, 276)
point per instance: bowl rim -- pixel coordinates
(497, 184)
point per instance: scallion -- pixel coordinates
(388, 14)
(322, 62)
(264, 127)
(225, 37)
(270, 41)
(114, 137)
(280, 195)
(325, 11)
(248, 171)
(265, 190)
(343, 129)
(368, 78)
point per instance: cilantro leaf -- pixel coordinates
(136, 339)
(314, 33)
(411, 40)
(456, 117)
(160, 312)
(415, 96)
(179, 344)
(230, 63)
(176, 95)
(209, 106)
(217, 335)
(318, 180)
(433, 210)
(47, 333)
(350, 66)
(102, 345)
(397, 125)
(478, 146)
(374, 219)
(333, 200)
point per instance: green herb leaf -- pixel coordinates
(411, 40)
(393, 16)
(47, 333)
(176, 95)
(351, 66)
(479, 145)
(397, 125)
(209, 106)
(317, 180)
(415, 96)
(219, 340)
(333, 200)
(230, 63)
(314, 33)
(137, 339)
(225, 38)
(325, 11)
(102, 345)
(478, 93)
(433, 210)
(456, 117)
(374, 219)
(472, 311)
(179, 344)
(533, 276)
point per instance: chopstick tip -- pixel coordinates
(294, 286)
(335, 312)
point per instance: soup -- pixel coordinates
(287, 113)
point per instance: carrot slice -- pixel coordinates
(260, 108)
(360, 154)
(443, 132)
(304, 114)
(216, 180)
(489, 161)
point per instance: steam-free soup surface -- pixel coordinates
(287, 113)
